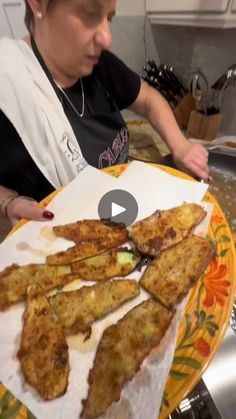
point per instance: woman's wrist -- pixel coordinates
(27, 198)
(20, 206)
(5, 202)
(9, 199)
(180, 147)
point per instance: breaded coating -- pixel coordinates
(78, 309)
(164, 229)
(120, 353)
(115, 263)
(90, 230)
(170, 276)
(81, 251)
(15, 279)
(43, 354)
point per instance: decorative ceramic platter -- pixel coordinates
(204, 323)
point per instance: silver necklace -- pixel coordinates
(69, 101)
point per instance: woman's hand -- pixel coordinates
(193, 159)
(24, 207)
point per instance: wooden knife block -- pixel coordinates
(183, 110)
(202, 126)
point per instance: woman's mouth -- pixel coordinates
(93, 59)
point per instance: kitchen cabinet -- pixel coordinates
(12, 18)
(206, 13)
(183, 6)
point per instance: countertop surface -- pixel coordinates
(220, 377)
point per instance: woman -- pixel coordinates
(60, 105)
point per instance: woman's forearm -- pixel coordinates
(153, 106)
(192, 158)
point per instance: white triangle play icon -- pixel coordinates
(118, 206)
(117, 209)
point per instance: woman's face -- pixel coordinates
(73, 33)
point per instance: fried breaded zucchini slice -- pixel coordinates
(43, 354)
(117, 262)
(90, 230)
(170, 276)
(78, 309)
(164, 229)
(15, 279)
(120, 353)
(81, 251)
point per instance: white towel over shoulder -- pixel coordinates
(32, 106)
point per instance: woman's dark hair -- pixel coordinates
(29, 17)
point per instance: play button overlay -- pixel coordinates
(119, 206)
(116, 209)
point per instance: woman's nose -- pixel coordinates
(103, 35)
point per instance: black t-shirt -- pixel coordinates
(111, 86)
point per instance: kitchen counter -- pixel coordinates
(220, 377)
(214, 396)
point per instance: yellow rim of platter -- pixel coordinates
(206, 316)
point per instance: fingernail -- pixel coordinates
(49, 215)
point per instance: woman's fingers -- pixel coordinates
(201, 171)
(199, 165)
(194, 160)
(25, 208)
(194, 169)
(198, 169)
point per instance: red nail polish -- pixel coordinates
(49, 215)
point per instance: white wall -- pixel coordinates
(132, 35)
(130, 7)
(12, 18)
(132, 40)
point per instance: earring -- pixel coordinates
(39, 15)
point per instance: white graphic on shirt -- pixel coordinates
(72, 153)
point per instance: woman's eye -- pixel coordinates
(94, 17)
(91, 16)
